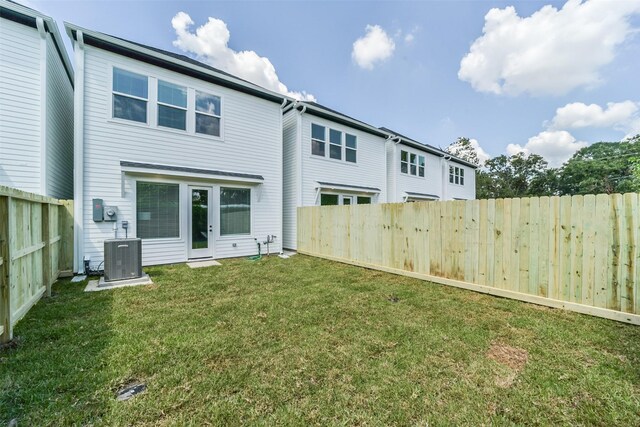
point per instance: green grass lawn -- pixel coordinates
(307, 341)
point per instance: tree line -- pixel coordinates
(603, 167)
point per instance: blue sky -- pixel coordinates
(534, 60)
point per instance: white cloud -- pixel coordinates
(210, 44)
(623, 116)
(555, 146)
(373, 48)
(409, 38)
(550, 52)
(483, 156)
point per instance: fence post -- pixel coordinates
(5, 271)
(46, 250)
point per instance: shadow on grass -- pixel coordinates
(57, 360)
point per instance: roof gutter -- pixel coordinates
(324, 114)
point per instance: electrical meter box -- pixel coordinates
(98, 210)
(110, 213)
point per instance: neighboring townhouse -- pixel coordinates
(188, 157)
(36, 104)
(420, 172)
(329, 159)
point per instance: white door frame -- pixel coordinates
(206, 252)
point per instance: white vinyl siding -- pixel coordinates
(20, 97)
(251, 143)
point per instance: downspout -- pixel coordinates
(392, 185)
(300, 152)
(78, 154)
(281, 164)
(42, 31)
(445, 177)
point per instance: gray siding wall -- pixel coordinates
(59, 127)
(291, 189)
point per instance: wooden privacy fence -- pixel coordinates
(575, 252)
(36, 245)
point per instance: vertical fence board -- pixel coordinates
(577, 252)
(602, 251)
(577, 205)
(589, 248)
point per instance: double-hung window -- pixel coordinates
(335, 144)
(413, 165)
(130, 95)
(456, 175)
(235, 211)
(318, 140)
(208, 114)
(172, 105)
(350, 148)
(404, 162)
(421, 165)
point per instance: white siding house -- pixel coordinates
(36, 104)
(190, 157)
(420, 172)
(329, 158)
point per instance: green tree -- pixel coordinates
(519, 175)
(463, 149)
(603, 167)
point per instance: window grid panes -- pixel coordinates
(157, 210)
(235, 211)
(350, 148)
(335, 144)
(404, 162)
(208, 114)
(318, 140)
(130, 95)
(421, 166)
(456, 175)
(413, 164)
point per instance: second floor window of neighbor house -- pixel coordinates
(130, 96)
(456, 175)
(412, 164)
(341, 145)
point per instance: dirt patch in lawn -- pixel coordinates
(513, 358)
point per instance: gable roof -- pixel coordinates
(26, 16)
(172, 61)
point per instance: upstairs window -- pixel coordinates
(404, 162)
(350, 149)
(130, 95)
(412, 164)
(456, 175)
(335, 144)
(172, 105)
(318, 140)
(208, 114)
